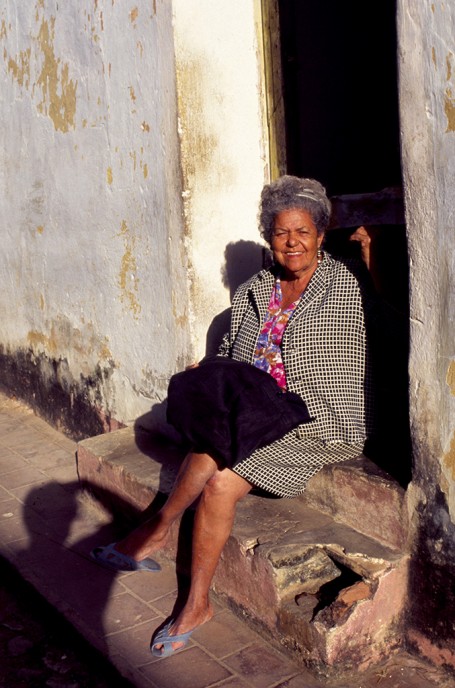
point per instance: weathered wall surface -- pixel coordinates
(427, 94)
(107, 287)
(222, 119)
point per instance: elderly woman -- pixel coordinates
(303, 321)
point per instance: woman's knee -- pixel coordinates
(226, 485)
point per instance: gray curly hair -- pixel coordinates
(289, 192)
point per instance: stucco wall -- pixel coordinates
(427, 95)
(107, 285)
(221, 98)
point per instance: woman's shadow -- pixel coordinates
(242, 260)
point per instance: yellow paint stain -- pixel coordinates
(63, 335)
(450, 378)
(101, 21)
(40, 229)
(133, 157)
(449, 59)
(134, 14)
(20, 68)
(37, 339)
(145, 171)
(145, 127)
(132, 94)
(84, 123)
(128, 280)
(109, 175)
(433, 56)
(449, 109)
(3, 31)
(41, 302)
(449, 457)
(140, 47)
(104, 352)
(59, 91)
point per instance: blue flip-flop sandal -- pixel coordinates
(111, 558)
(163, 638)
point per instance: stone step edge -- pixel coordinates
(356, 492)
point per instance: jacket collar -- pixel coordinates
(262, 287)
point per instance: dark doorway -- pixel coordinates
(340, 90)
(341, 119)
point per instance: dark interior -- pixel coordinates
(341, 96)
(340, 86)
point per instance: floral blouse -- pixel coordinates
(267, 355)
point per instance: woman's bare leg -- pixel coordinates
(212, 525)
(151, 535)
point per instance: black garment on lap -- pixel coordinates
(228, 408)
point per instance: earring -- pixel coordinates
(319, 255)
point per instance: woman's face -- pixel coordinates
(295, 242)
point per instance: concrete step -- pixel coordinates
(361, 495)
(299, 574)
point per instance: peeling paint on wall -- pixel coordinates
(128, 280)
(449, 59)
(449, 109)
(59, 91)
(449, 457)
(60, 335)
(20, 68)
(450, 378)
(449, 100)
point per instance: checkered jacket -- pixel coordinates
(325, 348)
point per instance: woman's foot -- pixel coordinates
(109, 557)
(143, 541)
(187, 621)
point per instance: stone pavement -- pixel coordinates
(47, 529)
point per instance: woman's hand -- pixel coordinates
(363, 236)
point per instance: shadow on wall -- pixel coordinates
(242, 260)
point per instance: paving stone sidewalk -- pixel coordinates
(47, 529)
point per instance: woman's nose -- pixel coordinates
(291, 239)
